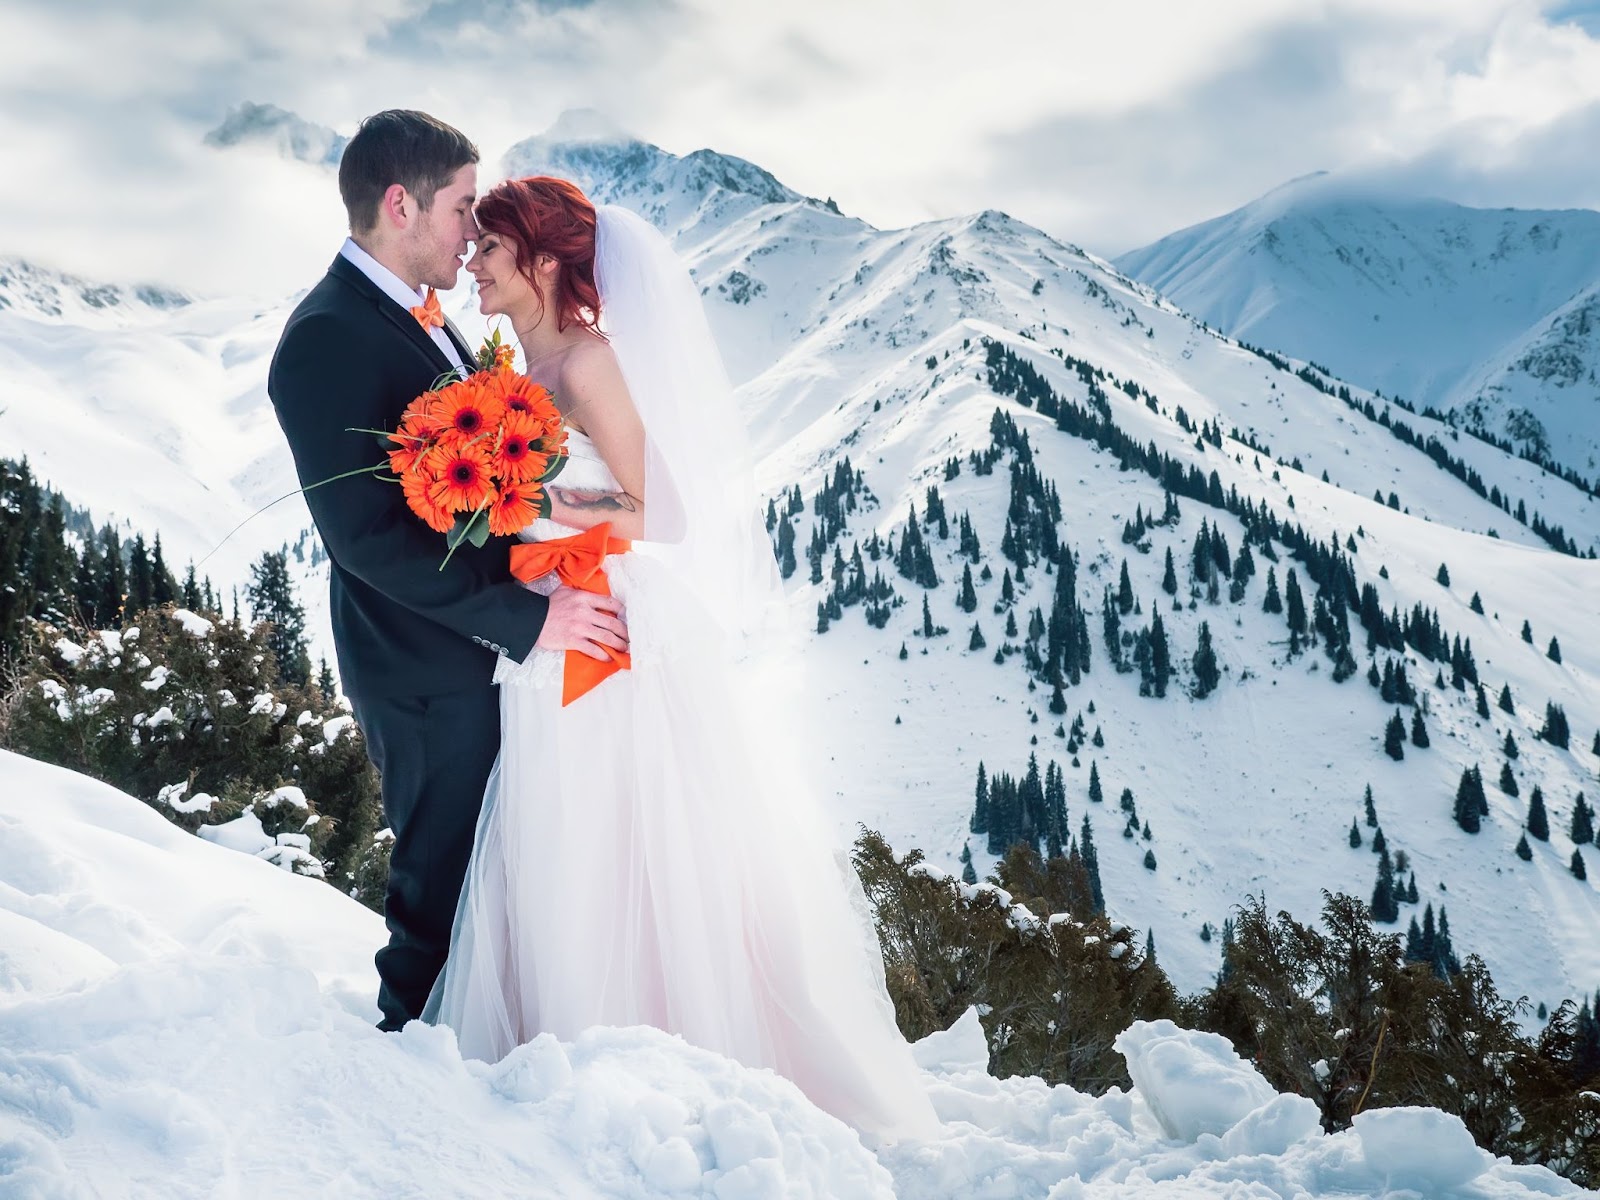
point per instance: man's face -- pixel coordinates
(438, 239)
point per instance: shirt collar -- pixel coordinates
(387, 281)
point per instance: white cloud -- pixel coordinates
(1108, 124)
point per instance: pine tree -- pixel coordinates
(968, 874)
(271, 595)
(1150, 860)
(1538, 819)
(1091, 863)
(1124, 591)
(1524, 851)
(1469, 799)
(1509, 746)
(1579, 871)
(325, 683)
(1554, 653)
(1355, 835)
(1096, 796)
(1272, 603)
(1371, 809)
(191, 591)
(786, 559)
(1379, 844)
(1508, 781)
(1505, 699)
(1169, 577)
(1443, 577)
(1206, 674)
(1295, 607)
(976, 642)
(141, 577)
(1385, 908)
(1483, 701)
(1159, 669)
(968, 601)
(1413, 950)
(980, 804)
(1419, 730)
(1556, 730)
(1394, 737)
(1582, 828)
(1527, 633)
(1477, 604)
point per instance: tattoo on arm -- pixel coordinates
(596, 501)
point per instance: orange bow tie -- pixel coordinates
(428, 314)
(577, 563)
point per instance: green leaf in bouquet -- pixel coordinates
(546, 504)
(459, 533)
(478, 531)
(553, 468)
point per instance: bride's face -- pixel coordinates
(501, 287)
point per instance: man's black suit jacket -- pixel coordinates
(350, 357)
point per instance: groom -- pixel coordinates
(416, 645)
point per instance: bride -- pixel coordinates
(643, 854)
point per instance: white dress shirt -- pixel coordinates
(394, 287)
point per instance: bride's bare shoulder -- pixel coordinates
(588, 366)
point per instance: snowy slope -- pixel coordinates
(828, 325)
(180, 1020)
(1490, 314)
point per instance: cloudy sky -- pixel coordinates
(1106, 124)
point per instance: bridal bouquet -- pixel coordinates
(472, 454)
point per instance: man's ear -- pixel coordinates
(399, 206)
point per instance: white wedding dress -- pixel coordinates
(643, 857)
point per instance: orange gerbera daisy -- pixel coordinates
(523, 395)
(516, 507)
(416, 485)
(516, 458)
(463, 482)
(468, 408)
(420, 413)
(415, 438)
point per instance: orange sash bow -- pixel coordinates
(428, 314)
(577, 563)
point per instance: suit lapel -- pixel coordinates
(467, 356)
(401, 318)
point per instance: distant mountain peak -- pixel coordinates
(613, 165)
(26, 287)
(290, 134)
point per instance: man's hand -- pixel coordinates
(582, 621)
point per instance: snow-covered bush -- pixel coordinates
(188, 713)
(1055, 982)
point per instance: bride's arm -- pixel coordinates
(592, 388)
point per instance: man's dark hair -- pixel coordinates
(402, 146)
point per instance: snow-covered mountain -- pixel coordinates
(286, 133)
(1492, 315)
(850, 341)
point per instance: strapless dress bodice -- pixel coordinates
(585, 471)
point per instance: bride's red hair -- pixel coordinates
(544, 215)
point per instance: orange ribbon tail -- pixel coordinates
(428, 314)
(577, 562)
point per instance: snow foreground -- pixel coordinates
(180, 1019)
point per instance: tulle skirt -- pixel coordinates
(645, 855)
